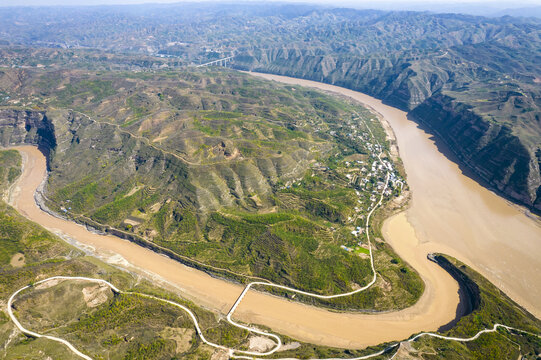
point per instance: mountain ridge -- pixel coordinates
(488, 66)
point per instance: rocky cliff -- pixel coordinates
(222, 141)
(393, 79)
(254, 189)
(26, 127)
(491, 149)
(403, 58)
(493, 129)
(77, 147)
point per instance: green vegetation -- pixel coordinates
(257, 178)
(29, 241)
(124, 326)
(453, 72)
(260, 179)
(132, 327)
(10, 168)
(495, 307)
(115, 326)
(295, 250)
(90, 90)
(19, 240)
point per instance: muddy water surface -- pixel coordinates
(449, 213)
(436, 307)
(452, 213)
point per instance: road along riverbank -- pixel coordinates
(436, 307)
(232, 352)
(451, 213)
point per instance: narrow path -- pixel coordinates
(241, 354)
(232, 352)
(141, 138)
(229, 315)
(268, 284)
(453, 214)
(149, 143)
(304, 322)
(118, 291)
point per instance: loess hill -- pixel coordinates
(241, 177)
(105, 325)
(101, 324)
(231, 174)
(473, 80)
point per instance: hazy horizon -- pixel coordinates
(473, 7)
(386, 3)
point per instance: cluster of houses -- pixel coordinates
(368, 177)
(365, 176)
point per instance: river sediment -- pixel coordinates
(453, 214)
(303, 322)
(446, 215)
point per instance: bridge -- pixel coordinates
(219, 62)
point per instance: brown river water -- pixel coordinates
(449, 213)
(453, 214)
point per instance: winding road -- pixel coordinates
(300, 321)
(450, 212)
(118, 291)
(406, 233)
(232, 352)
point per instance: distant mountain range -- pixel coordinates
(474, 80)
(478, 8)
(486, 8)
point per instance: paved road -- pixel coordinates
(300, 321)
(232, 352)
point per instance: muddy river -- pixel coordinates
(449, 213)
(452, 213)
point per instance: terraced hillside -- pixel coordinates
(231, 174)
(97, 321)
(472, 80)
(103, 324)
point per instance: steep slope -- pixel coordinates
(492, 149)
(231, 174)
(491, 65)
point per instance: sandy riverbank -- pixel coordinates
(436, 307)
(453, 214)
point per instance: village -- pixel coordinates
(362, 164)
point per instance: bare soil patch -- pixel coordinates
(96, 295)
(17, 260)
(182, 337)
(260, 343)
